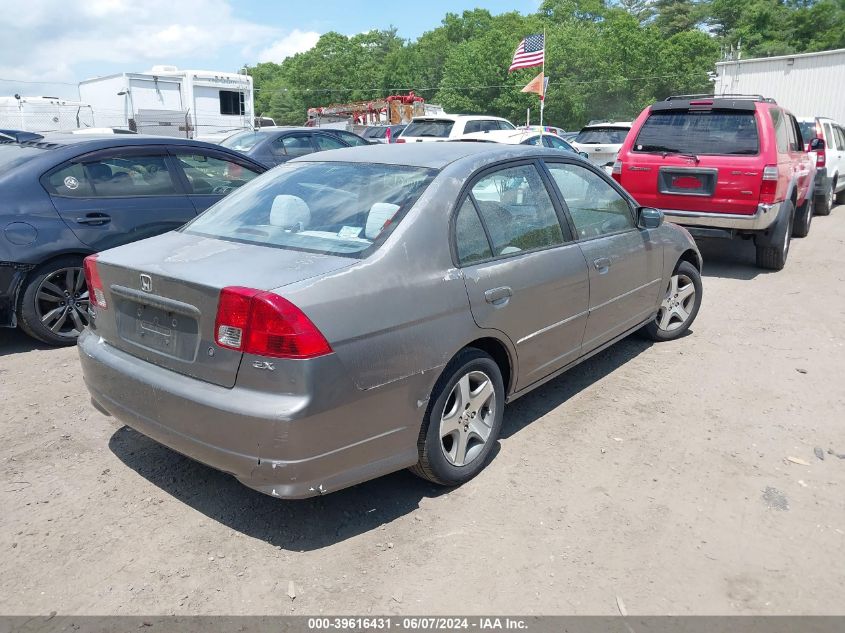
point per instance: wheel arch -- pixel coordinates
(502, 355)
(691, 256)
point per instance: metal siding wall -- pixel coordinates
(810, 86)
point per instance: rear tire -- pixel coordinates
(772, 253)
(805, 217)
(53, 306)
(824, 203)
(463, 420)
(680, 305)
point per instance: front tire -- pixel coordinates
(462, 421)
(679, 306)
(53, 306)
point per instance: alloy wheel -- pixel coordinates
(676, 308)
(467, 418)
(61, 302)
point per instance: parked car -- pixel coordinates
(830, 160)
(274, 146)
(351, 139)
(549, 129)
(522, 137)
(356, 312)
(601, 141)
(66, 196)
(383, 133)
(444, 127)
(724, 166)
(17, 135)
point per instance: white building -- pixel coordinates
(44, 114)
(808, 84)
(172, 102)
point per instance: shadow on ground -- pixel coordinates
(322, 521)
(729, 259)
(14, 341)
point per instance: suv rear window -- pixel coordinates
(319, 207)
(437, 128)
(602, 136)
(714, 132)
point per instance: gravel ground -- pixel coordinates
(658, 474)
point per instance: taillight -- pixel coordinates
(96, 293)
(769, 186)
(821, 157)
(617, 171)
(265, 324)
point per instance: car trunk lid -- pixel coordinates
(163, 295)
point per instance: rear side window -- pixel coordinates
(243, 142)
(517, 210)
(717, 132)
(828, 134)
(781, 133)
(211, 175)
(437, 128)
(470, 238)
(352, 139)
(840, 137)
(116, 176)
(324, 141)
(486, 125)
(297, 145)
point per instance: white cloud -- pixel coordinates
(295, 42)
(53, 39)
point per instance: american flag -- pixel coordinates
(530, 52)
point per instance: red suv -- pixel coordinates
(723, 166)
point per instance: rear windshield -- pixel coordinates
(243, 141)
(439, 128)
(602, 136)
(712, 132)
(320, 207)
(13, 155)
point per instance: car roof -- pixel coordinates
(456, 117)
(619, 124)
(433, 155)
(504, 136)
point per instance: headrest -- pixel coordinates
(290, 212)
(98, 171)
(379, 214)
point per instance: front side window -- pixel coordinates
(470, 239)
(595, 206)
(828, 135)
(116, 176)
(351, 139)
(243, 141)
(321, 207)
(295, 145)
(517, 210)
(554, 142)
(212, 175)
(533, 140)
(719, 132)
(232, 102)
(324, 141)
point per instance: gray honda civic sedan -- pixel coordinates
(364, 310)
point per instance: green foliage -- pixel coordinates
(606, 59)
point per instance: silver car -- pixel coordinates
(364, 310)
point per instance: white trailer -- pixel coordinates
(172, 102)
(808, 84)
(44, 114)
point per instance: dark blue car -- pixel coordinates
(67, 196)
(273, 146)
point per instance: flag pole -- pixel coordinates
(543, 81)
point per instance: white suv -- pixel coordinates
(444, 127)
(830, 161)
(602, 141)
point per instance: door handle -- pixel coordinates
(498, 296)
(94, 219)
(601, 263)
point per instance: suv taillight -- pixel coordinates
(96, 293)
(617, 171)
(769, 187)
(821, 157)
(265, 324)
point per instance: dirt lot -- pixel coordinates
(655, 473)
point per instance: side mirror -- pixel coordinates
(817, 144)
(583, 154)
(648, 218)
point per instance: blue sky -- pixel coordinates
(56, 43)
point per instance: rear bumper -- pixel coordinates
(278, 444)
(762, 219)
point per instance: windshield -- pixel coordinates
(321, 207)
(439, 128)
(12, 155)
(713, 132)
(242, 142)
(602, 136)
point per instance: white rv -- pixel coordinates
(43, 114)
(172, 102)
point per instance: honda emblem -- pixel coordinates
(146, 283)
